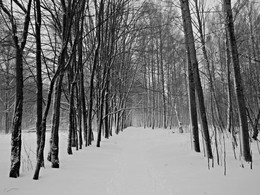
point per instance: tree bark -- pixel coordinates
(38, 76)
(16, 141)
(229, 87)
(43, 126)
(53, 155)
(193, 107)
(72, 129)
(191, 47)
(81, 78)
(245, 147)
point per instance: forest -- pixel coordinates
(88, 67)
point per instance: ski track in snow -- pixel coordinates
(136, 162)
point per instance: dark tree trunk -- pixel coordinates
(68, 14)
(107, 116)
(38, 76)
(53, 155)
(193, 107)
(255, 127)
(82, 97)
(238, 83)
(100, 117)
(83, 107)
(79, 116)
(71, 135)
(95, 64)
(43, 126)
(229, 87)
(16, 141)
(191, 46)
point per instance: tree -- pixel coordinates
(192, 106)
(68, 10)
(245, 147)
(16, 141)
(189, 41)
(38, 75)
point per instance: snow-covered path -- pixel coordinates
(135, 174)
(136, 162)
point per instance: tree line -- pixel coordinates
(103, 65)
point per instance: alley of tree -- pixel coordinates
(75, 74)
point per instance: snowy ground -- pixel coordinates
(136, 162)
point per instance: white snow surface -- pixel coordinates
(136, 162)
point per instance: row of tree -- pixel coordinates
(206, 70)
(77, 56)
(205, 66)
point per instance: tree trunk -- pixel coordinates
(163, 83)
(53, 155)
(193, 107)
(191, 46)
(107, 116)
(6, 112)
(38, 76)
(229, 88)
(79, 116)
(43, 126)
(100, 117)
(81, 80)
(238, 83)
(72, 129)
(83, 103)
(95, 64)
(16, 141)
